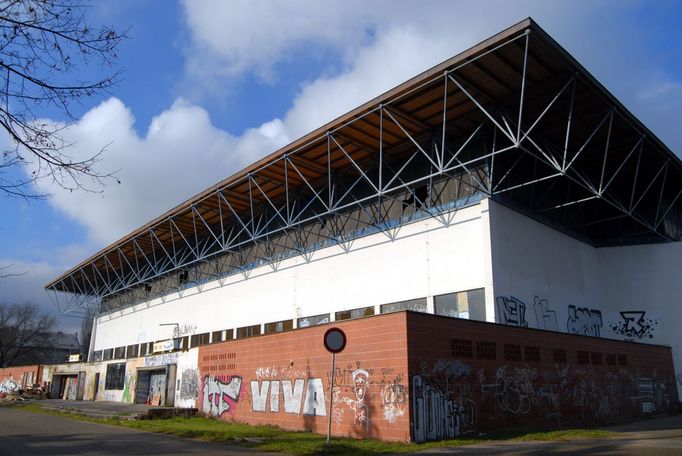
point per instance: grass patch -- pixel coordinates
(271, 438)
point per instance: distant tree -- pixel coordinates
(86, 330)
(44, 46)
(22, 328)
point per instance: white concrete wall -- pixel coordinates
(426, 259)
(645, 283)
(556, 278)
(545, 270)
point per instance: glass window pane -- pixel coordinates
(416, 305)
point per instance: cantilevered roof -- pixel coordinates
(551, 141)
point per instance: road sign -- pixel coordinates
(334, 340)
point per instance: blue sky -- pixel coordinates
(209, 87)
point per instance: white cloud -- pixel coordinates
(377, 44)
(181, 154)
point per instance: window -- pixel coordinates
(248, 331)
(512, 352)
(108, 354)
(116, 375)
(131, 351)
(464, 304)
(417, 305)
(279, 326)
(217, 336)
(532, 353)
(181, 343)
(559, 356)
(611, 359)
(146, 349)
(200, 339)
(583, 357)
(97, 356)
(313, 321)
(119, 352)
(486, 350)
(596, 358)
(462, 348)
(622, 360)
(354, 313)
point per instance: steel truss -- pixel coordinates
(554, 147)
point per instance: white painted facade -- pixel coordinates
(585, 289)
(426, 259)
(533, 276)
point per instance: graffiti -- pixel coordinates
(545, 316)
(161, 360)
(393, 399)
(314, 403)
(635, 325)
(511, 311)
(582, 320)
(220, 397)
(184, 330)
(357, 405)
(515, 389)
(281, 372)
(129, 388)
(436, 415)
(8, 385)
(189, 384)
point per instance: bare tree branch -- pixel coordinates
(44, 46)
(23, 329)
(4, 274)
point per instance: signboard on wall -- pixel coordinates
(74, 358)
(163, 345)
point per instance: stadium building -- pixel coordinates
(499, 238)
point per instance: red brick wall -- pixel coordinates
(23, 375)
(416, 376)
(283, 380)
(457, 388)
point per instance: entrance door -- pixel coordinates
(96, 389)
(142, 390)
(81, 386)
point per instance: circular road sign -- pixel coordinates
(334, 340)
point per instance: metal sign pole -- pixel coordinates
(331, 399)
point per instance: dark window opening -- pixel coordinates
(596, 358)
(132, 351)
(279, 326)
(512, 352)
(116, 375)
(248, 331)
(354, 313)
(559, 356)
(462, 348)
(200, 339)
(532, 353)
(583, 357)
(486, 350)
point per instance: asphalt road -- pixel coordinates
(25, 433)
